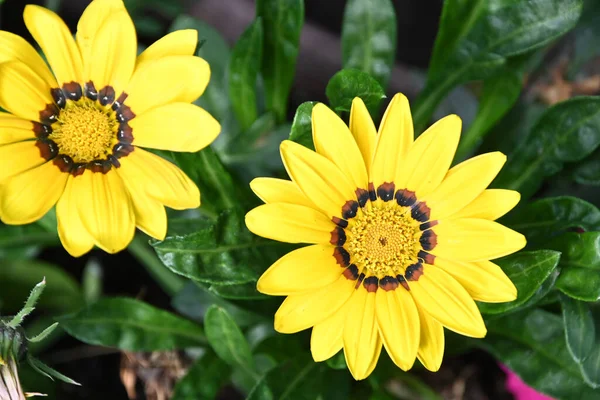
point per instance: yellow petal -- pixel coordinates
(439, 295)
(113, 53)
(73, 235)
(327, 337)
(159, 179)
(19, 157)
(105, 209)
(92, 19)
(484, 280)
(463, 184)
(429, 158)
(471, 239)
(14, 129)
(150, 214)
(431, 344)
(362, 343)
(398, 322)
(175, 127)
(14, 47)
(363, 130)
(27, 197)
(178, 43)
(333, 140)
(301, 270)
(22, 91)
(55, 39)
(290, 223)
(491, 204)
(176, 78)
(319, 179)
(302, 311)
(273, 190)
(393, 142)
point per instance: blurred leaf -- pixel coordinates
(587, 172)
(532, 344)
(586, 36)
(62, 293)
(227, 340)
(92, 281)
(338, 385)
(243, 71)
(544, 219)
(347, 84)
(528, 271)
(244, 291)
(132, 325)
(282, 23)
(579, 328)
(566, 132)
(246, 142)
(24, 241)
(580, 263)
(476, 38)
(369, 38)
(338, 361)
(203, 380)
(302, 125)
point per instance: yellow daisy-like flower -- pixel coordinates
(71, 136)
(400, 244)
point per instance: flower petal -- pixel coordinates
(431, 344)
(484, 280)
(14, 47)
(393, 142)
(55, 39)
(14, 129)
(73, 235)
(398, 322)
(327, 337)
(105, 209)
(363, 130)
(176, 78)
(178, 43)
(320, 180)
(333, 140)
(429, 158)
(302, 311)
(362, 343)
(490, 204)
(28, 196)
(304, 269)
(463, 184)
(471, 239)
(112, 58)
(273, 190)
(19, 157)
(175, 127)
(22, 91)
(150, 214)
(290, 223)
(439, 295)
(159, 179)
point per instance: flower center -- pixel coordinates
(84, 131)
(383, 240)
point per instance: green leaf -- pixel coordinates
(244, 291)
(477, 37)
(282, 22)
(132, 325)
(543, 219)
(532, 344)
(203, 380)
(44, 334)
(528, 271)
(24, 241)
(338, 361)
(347, 84)
(587, 172)
(47, 371)
(566, 132)
(579, 328)
(227, 340)
(369, 38)
(29, 306)
(243, 71)
(587, 38)
(302, 126)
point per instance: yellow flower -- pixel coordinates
(400, 244)
(74, 136)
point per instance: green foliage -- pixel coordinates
(347, 84)
(203, 380)
(302, 125)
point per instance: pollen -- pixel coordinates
(84, 132)
(383, 240)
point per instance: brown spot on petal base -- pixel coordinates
(414, 272)
(385, 191)
(363, 196)
(361, 277)
(338, 236)
(351, 273)
(41, 131)
(342, 257)
(388, 283)
(372, 192)
(426, 257)
(405, 198)
(349, 209)
(342, 223)
(48, 149)
(64, 163)
(428, 240)
(72, 91)
(427, 225)
(403, 282)
(420, 212)
(371, 284)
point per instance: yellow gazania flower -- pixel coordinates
(71, 136)
(400, 244)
